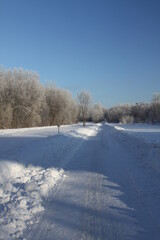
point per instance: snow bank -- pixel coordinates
(144, 138)
(24, 130)
(147, 132)
(22, 190)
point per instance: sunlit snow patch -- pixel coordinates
(85, 132)
(120, 128)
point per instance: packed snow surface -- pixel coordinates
(98, 182)
(27, 172)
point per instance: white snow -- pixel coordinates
(85, 133)
(28, 172)
(146, 132)
(33, 160)
(21, 193)
(145, 138)
(110, 192)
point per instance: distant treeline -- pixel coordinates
(25, 102)
(138, 113)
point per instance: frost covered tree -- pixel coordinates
(155, 109)
(140, 112)
(6, 99)
(61, 106)
(84, 101)
(127, 119)
(25, 102)
(126, 113)
(115, 114)
(97, 113)
(156, 97)
(27, 99)
(19, 98)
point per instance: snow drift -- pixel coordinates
(22, 190)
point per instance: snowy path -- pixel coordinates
(30, 166)
(110, 193)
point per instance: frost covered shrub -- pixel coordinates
(127, 119)
(138, 113)
(97, 113)
(115, 114)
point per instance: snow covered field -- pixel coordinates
(107, 176)
(145, 139)
(146, 132)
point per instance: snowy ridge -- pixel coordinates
(147, 132)
(85, 133)
(22, 190)
(144, 138)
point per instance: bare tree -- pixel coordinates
(84, 100)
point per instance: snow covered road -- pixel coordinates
(110, 192)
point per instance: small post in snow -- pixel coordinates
(58, 128)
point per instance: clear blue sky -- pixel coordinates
(110, 48)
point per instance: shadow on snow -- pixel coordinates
(91, 158)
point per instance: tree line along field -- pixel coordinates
(25, 102)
